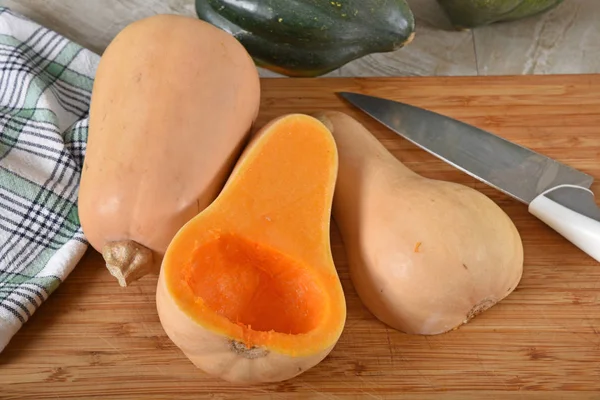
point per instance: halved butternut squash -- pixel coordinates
(248, 289)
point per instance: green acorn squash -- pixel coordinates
(466, 14)
(307, 38)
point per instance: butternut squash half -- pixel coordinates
(425, 255)
(173, 103)
(248, 289)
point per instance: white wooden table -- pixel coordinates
(564, 40)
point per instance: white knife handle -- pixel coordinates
(572, 212)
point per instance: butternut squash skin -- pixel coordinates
(173, 103)
(248, 289)
(425, 255)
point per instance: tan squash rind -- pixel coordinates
(172, 107)
(425, 255)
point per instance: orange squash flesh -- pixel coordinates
(258, 288)
(255, 267)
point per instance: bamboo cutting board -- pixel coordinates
(93, 338)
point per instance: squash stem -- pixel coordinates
(127, 260)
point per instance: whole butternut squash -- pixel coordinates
(425, 255)
(248, 289)
(173, 102)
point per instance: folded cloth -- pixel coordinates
(45, 87)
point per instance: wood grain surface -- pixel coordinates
(94, 339)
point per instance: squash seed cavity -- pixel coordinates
(255, 286)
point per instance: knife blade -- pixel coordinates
(556, 193)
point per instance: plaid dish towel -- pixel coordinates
(45, 87)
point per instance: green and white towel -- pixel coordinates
(45, 87)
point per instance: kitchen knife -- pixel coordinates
(557, 194)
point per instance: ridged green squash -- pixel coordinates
(465, 14)
(308, 38)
